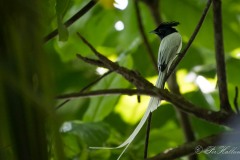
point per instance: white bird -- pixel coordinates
(170, 46)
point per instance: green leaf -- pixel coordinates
(232, 68)
(100, 154)
(93, 134)
(72, 145)
(203, 128)
(101, 107)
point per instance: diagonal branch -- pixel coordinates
(107, 92)
(91, 61)
(182, 54)
(132, 76)
(219, 53)
(73, 19)
(85, 88)
(144, 37)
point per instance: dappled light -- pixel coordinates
(88, 79)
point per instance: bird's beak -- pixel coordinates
(153, 32)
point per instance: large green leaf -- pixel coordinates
(93, 134)
(102, 106)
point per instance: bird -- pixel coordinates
(169, 49)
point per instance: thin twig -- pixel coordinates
(101, 57)
(143, 35)
(85, 88)
(147, 135)
(62, 104)
(154, 8)
(107, 92)
(70, 21)
(219, 53)
(95, 81)
(236, 100)
(154, 62)
(130, 75)
(182, 54)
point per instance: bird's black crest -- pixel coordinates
(168, 24)
(165, 29)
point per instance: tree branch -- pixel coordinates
(235, 101)
(73, 19)
(147, 135)
(132, 76)
(183, 53)
(154, 62)
(107, 92)
(91, 61)
(154, 8)
(143, 35)
(219, 53)
(187, 148)
(197, 147)
(179, 101)
(85, 88)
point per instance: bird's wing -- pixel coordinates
(169, 47)
(168, 50)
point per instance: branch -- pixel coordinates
(182, 54)
(144, 37)
(235, 102)
(148, 128)
(187, 107)
(132, 76)
(154, 62)
(154, 8)
(85, 88)
(91, 61)
(141, 83)
(108, 92)
(70, 21)
(187, 148)
(179, 101)
(198, 146)
(220, 60)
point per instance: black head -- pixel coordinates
(165, 29)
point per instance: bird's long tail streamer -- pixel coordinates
(153, 104)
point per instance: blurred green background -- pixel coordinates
(33, 73)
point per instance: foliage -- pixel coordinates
(108, 120)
